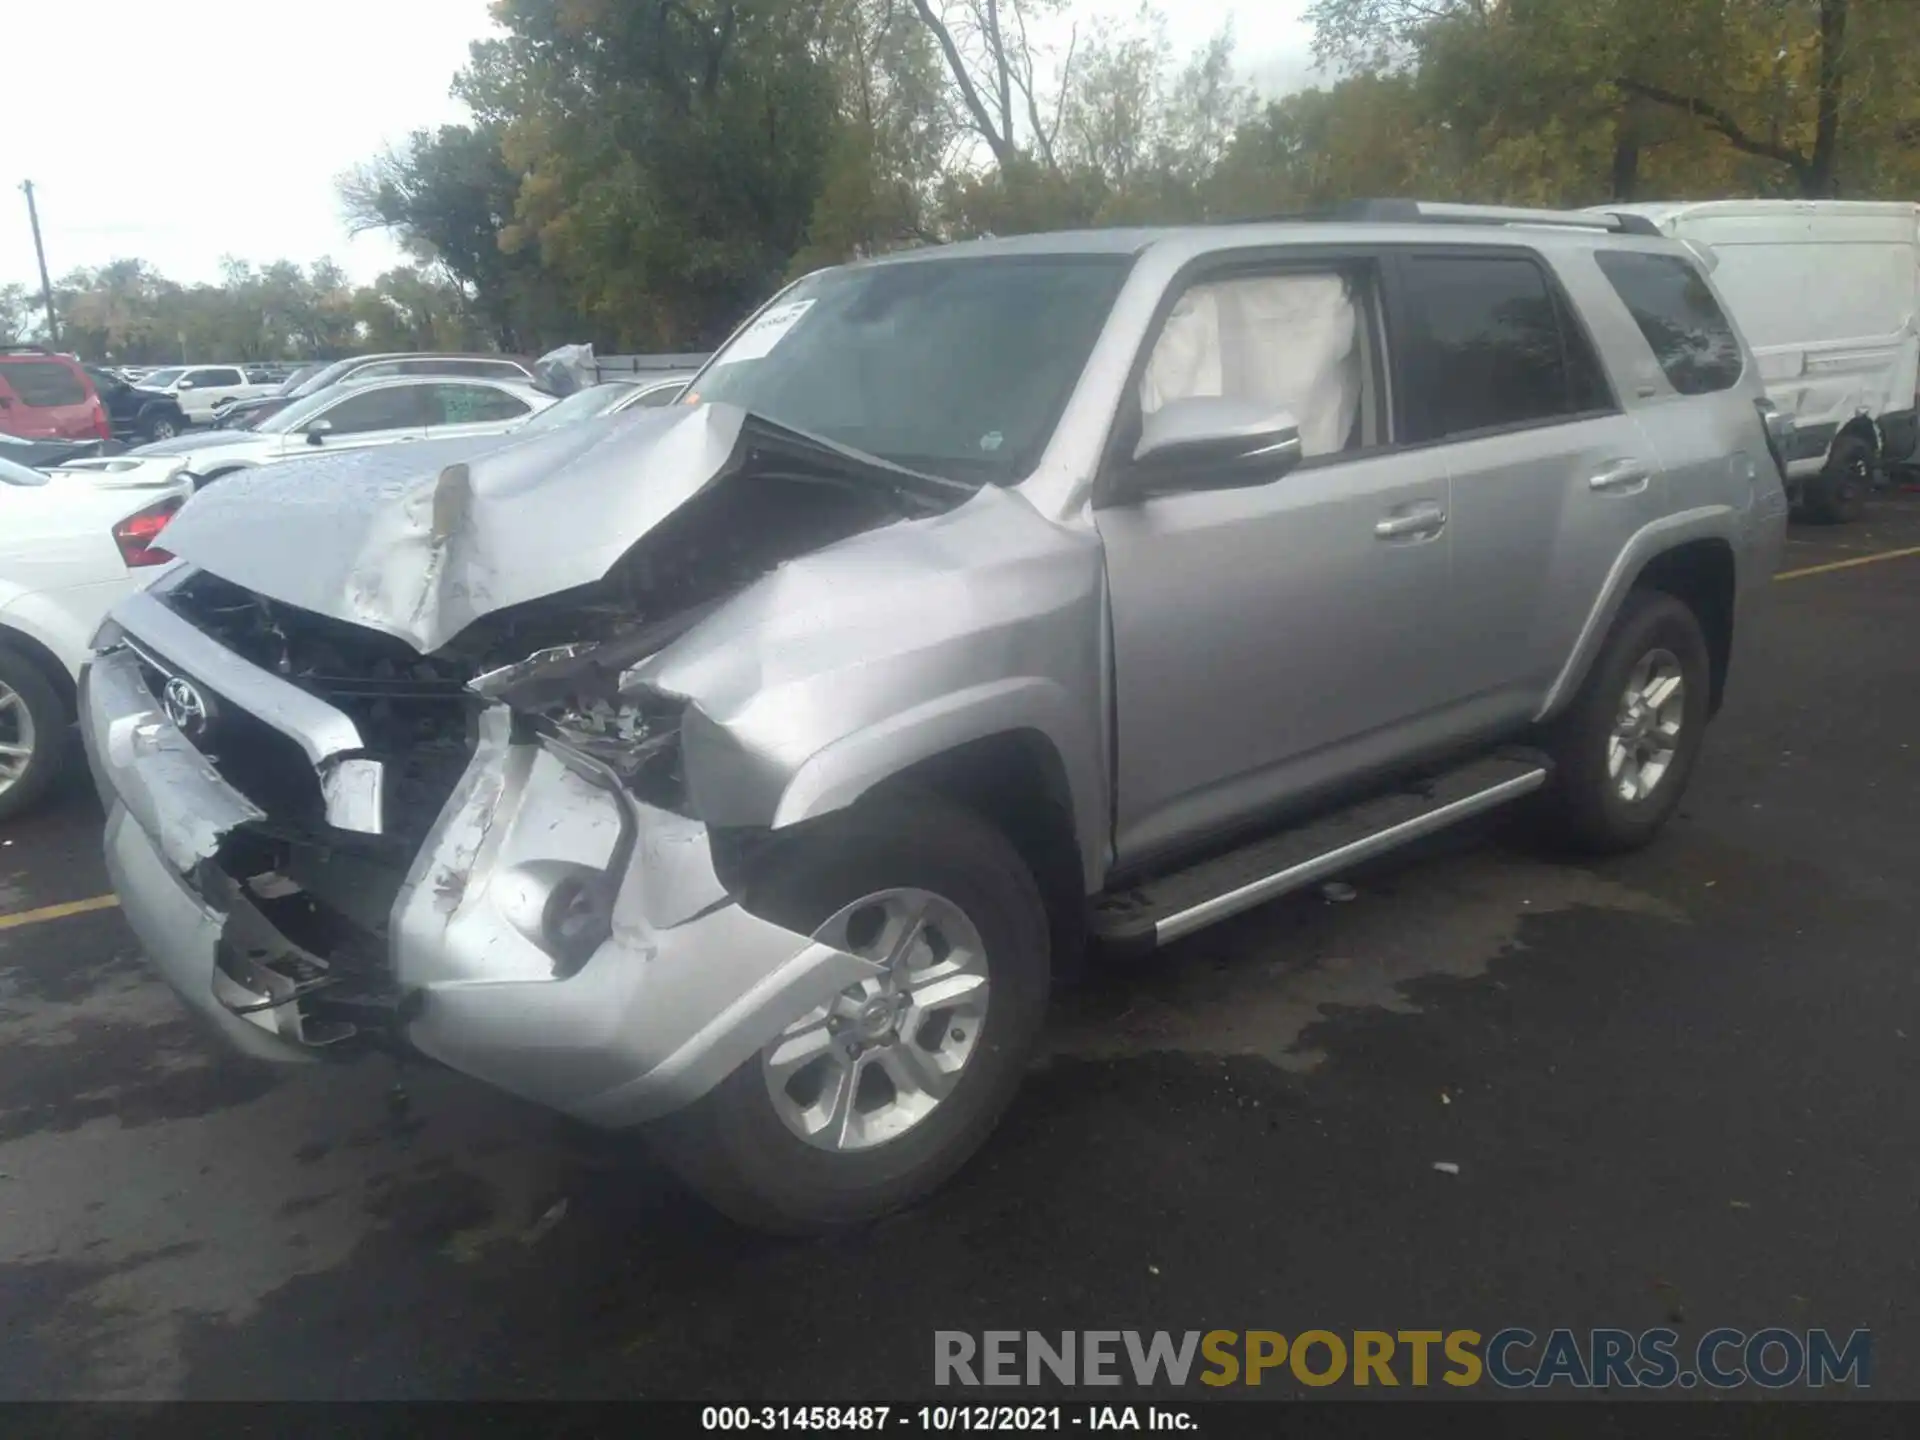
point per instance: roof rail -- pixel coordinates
(24, 349)
(1413, 212)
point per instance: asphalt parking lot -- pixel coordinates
(1673, 1086)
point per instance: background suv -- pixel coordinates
(44, 396)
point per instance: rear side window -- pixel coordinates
(1492, 348)
(1686, 329)
(43, 383)
(472, 404)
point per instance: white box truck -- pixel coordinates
(1827, 293)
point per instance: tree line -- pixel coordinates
(127, 313)
(639, 173)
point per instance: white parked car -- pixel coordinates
(379, 412)
(1827, 292)
(71, 546)
(199, 388)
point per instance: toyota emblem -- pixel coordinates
(186, 708)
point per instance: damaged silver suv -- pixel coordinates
(744, 769)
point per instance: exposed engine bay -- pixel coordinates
(555, 662)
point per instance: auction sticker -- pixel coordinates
(760, 337)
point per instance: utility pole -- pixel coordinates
(40, 254)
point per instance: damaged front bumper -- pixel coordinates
(673, 986)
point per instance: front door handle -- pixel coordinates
(1426, 518)
(1620, 477)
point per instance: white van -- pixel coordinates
(1827, 293)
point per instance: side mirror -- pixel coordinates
(1211, 442)
(318, 431)
(184, 385)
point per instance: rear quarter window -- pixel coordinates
(43, 383)
(1684, 325)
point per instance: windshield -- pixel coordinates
(318, 379)
(958, 368)
(293, 384)
(160, 379)
(581, 405)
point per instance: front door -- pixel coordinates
(1271, 643)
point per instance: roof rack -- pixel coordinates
(24, 349)
(1413, 212)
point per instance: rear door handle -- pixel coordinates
(1425, 518)
(1620, 477)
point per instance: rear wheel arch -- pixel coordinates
(1703, 575)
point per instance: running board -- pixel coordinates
(1159, 911)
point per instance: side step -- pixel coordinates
(1159, 911)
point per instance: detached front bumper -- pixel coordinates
(685, 987)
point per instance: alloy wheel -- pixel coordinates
(888, 1051)
(16, 737)
(1646, 730)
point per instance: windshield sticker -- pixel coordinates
(765, 333)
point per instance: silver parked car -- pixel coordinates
(350, 417)
(744, 770)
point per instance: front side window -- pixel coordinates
(205, 378)
(1685, 328)
(1491, 349)
(1296, 342)
(957, 367)
(392, 407)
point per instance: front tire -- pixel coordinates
(158, 427)
(33, 734)
(863, 1106)
(1625, 748)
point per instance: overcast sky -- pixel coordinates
(180, 134)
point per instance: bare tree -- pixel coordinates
(990, 54)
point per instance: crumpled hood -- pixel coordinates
(420, 540)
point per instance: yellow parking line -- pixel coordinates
(1848, 564)
(58, 912)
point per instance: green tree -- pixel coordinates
(670, 152)
(449, 195)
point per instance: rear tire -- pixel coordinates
(1838, 494)
(1625, 748)
(742, 1145)
(33, 721)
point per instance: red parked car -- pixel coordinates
(44, 396)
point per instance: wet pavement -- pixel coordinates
(1678, 1087)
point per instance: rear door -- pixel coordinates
(1550, 477)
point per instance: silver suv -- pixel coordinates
(745, 769)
